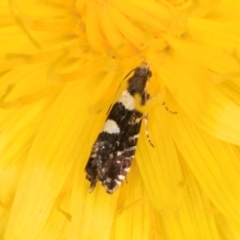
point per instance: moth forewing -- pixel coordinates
(114, 149)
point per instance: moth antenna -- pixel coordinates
(98, 107)
(164, 104)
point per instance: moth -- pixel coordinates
(114, 149)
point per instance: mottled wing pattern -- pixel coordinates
(112, 154)
(113, 151)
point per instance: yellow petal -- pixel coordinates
(214, 163)
(193, 219)
(159, 166)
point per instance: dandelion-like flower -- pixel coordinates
(61, 65)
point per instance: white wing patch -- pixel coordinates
(111, 127)
(127, 100)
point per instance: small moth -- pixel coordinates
(113, 151)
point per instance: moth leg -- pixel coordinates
(145, 118)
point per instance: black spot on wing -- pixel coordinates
(119, 114)
(131, 129)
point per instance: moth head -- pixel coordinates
(144, 70)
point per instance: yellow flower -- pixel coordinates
(61, 65)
